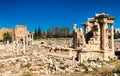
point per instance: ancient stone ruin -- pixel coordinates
(97, 41)
(22, 35)
(6, 30)
(21, 38)
(19, 33)
(57, 56)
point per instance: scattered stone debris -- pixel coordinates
(58, 56)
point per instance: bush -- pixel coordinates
(81, 64)
(35, 37)
(7, 37)
(26, 73)
(97, 60)
(28, 65)
(118, 70)
(1, 40)
(17, 60)
(61, 63)
(44, 35)
(62, 67)
(116, 36)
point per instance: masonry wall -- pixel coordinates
(84, 56)
(20, 31)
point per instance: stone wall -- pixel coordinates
(84, 56)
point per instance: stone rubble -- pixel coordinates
(58, 56)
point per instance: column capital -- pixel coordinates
(74, 26)
(104, 22)
(111, 24)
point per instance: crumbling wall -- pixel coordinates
(95, 37)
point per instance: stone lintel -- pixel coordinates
(110, 21)
(84, 24)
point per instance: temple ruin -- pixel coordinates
(21, 38)
(22, 35)
(19, 34)
(94, 41)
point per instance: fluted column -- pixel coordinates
(112, 36)
(104, 35)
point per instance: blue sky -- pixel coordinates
(48, 13)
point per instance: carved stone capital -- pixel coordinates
(111, 24)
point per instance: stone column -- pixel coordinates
(27, 39)
(80, 57)
(107, 40)
(32, 39)
(75, 42)
(74, 26)
(99, 33)
(13, 47)
(17, 47)
(24, 44)
(7, 42)
(104, 34)
(112, 36)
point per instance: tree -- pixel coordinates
(35, 34)
(44, 35)
(65, 31)
(7, 37)
(53, 32)
(57, 32)
(39, 32)
(61, 32)
(49, 35)
(116, 34)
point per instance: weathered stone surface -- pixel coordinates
(95, 38)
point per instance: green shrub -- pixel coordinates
(7, 37)
(62, 67)
(1, 40)
(118, 70)
(28, 65)
(17, 60)
(92, 61)
(81, 64)
(61, 63)
(26, 73)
